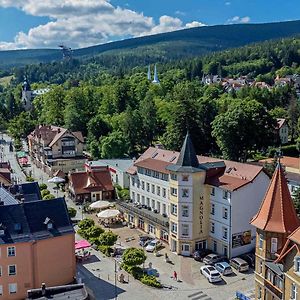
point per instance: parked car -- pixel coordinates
(249, 258)
(211, 273)
(212, 258)
(200, 254)
(224, 268)
(152, 245)
(144, 240)
(239, 264)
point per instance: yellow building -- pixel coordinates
(275, 221)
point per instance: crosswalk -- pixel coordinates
(199, 296)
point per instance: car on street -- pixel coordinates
(224, 268)
(198, 255)
(144, 240)
(212, 258)
(211, 273)
(239, 264)
(249, 258)
(153, 245)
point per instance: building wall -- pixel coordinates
(284, 134)
(68, 165)
(50, 261)
(57, 147)
(245, 204)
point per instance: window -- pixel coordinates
(259, 293)
(148, 172)
(225, 213)
(12, 270)
(138, 198)
(212, 227)
(174, 209)
(215, 246)
(132, 181)
(212, 209)
(164, 177)
(173, 176)
(173, 191)
(0, 271)
(158, 190)
(212, 192)
(153, 188)
(297, 264)
(158, 206)
(164, 193)
(49, 225)
(143, 200)
(294, 292)
(1, 290)
(185, 177)
(12, 287)
(133, 196)
(11, 251)
(226, 195)
(260, 266)
(148, 201)
(185, 193)
(225, 233)
(225, 251)
(273, 245)
(148, 187)
(260, 241)
(185, 211)
(185, 229)
(155, 174)
(143, 185)
(153, 204)
(164, 208)
(173, 227)
(138, 184)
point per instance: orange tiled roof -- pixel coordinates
(153, 164)
(277, 212)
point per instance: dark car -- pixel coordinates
(144, 240)
(249, 258)
(200, 254)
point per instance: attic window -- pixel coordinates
(2, 230)
(17, 227)
(49, 223)
(154, 155)
(172, 158)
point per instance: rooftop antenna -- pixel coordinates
(67, 51)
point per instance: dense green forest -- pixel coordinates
(121, 113)
(160, 47)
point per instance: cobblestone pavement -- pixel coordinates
(99, 272)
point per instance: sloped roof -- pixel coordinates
(30, 217)
(277, 212)
(288, 161)
(154, 164)
(280, 122)
(90, 181)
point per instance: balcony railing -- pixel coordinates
(145, 213)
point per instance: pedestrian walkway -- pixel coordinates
(199, 295)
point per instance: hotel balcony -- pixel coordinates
(129, 207)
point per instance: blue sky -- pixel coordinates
(79, 23)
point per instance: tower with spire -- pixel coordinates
(274, 222)
(155, 77)
(26, 95)
(187, 201)
(149, 73)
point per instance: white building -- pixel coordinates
(165, 193)
(117, 168)
(283, 131)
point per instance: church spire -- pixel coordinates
(155, 78)
(277, 212)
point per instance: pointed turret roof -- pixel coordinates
(187, 160)
(155, 77)
(277, 212)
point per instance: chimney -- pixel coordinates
(43, 287)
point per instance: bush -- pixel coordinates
(29, 179)
(288, 150)
(134, 257)
(135, 271)
(49, 197)
(106, 250)
(72, 212)
(86, 223)
(45, 192)
(124, 194)
(108, 238)
(150, 280)
(43, 186)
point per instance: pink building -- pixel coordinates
(36, 246)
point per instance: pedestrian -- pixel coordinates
(175, 275)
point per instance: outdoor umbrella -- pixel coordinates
(56, 180)
(82, 244)
(108, 214)
(100, 204)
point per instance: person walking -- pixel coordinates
(175, 275)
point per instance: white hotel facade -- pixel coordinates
(195, 202)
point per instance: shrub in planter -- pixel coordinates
(45, 192)
(135, 271)
(72, 212)
(49, 197)
(150, 280)
(106, 250)
(43, 186)
(86, 223)
(29, 179)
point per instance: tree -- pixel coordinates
(86, 223)
(134, 257)
(114, 145)
(107, 238)
(296, 199)
(293, 113)
(244, 127)
(72, 212)
(21, 125)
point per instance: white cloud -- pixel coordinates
(180, 13)
(237, 19)
(80, 23)
(194, 24)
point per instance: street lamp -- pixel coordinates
(116, 294)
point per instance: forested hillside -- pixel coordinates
(122, 113)
(161, 47)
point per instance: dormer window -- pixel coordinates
(17, 227)
(2, 230)
(48, 223)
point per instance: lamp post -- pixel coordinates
(116, 294)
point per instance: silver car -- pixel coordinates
(239, 264)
